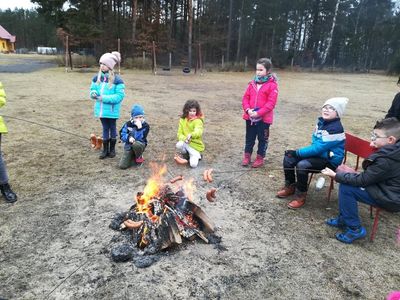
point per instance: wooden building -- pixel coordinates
(7, 41)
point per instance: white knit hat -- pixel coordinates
(110, 59)
(338, 103)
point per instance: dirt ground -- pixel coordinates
(54, 240)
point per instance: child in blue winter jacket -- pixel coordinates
(134, 135)
(108, 91)
(326, 150)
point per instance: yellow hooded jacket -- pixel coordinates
(3, 128)
(193, 127)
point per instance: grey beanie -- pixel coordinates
(338, 103)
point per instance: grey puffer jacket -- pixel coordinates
(381, 177)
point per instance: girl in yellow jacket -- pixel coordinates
(190, 132)
(5, 188)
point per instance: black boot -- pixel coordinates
(112, 148)
(7, 192)
(106, 150)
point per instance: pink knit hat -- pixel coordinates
(110, 59)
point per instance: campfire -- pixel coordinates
(163, 215)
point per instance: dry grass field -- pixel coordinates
(55, 240)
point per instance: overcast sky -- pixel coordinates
(4, 4)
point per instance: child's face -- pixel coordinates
(192, 112)
(261, 70)
(138, 119)
(328, 113)
(104, 68)
(379, 138)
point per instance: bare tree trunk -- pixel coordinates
(190, 21)
(134, 21)
(329, 39)
(228, 45)
(240, 33)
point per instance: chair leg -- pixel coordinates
(331, 186)
(309, 179)
(375, 225)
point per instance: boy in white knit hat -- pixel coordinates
(326, 150)
(108, 91)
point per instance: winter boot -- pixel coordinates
(139, 160)
(7, 193)
(246, 159)
(93, 140)
(286, 191)
(99, 143)
(112, 148)
(106, 149)
(259, 162)
(299, 201)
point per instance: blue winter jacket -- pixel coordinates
(130, 130)
(327, 142)
(109, 106)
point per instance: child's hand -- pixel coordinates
(291, 153)
(254, 114)
(328, 172)
(99, 98)
(138, 124)
(188, 138)
(131, 140)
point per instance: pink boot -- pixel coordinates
(259, 162)
(246, 159)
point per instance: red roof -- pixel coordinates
(5, 35)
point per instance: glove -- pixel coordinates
(291, 153)
(93, 95)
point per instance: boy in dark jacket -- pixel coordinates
(134, 135)
(326, 150)
(378, 184)
(394, 110)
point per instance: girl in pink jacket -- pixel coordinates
(258, 103)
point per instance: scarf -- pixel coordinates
(262, 79)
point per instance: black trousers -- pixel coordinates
(300, 168)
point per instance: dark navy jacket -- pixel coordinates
(130, 130)
(327, 142)
(394, 110)
(381, 177)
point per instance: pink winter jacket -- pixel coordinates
(264, 99)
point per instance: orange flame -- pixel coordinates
(151, 189)
(189, 188)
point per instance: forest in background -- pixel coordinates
(359, 35)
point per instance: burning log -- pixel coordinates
(164, 219)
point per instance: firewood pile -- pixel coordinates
(161, 218)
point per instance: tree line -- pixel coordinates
(354, 34)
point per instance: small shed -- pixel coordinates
(7, 41)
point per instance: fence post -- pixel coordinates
(291, 64)
(223, 63)
(312, 65)
(245, 63)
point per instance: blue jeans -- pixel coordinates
(109, 128)
(348, 206)
(259, 130)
